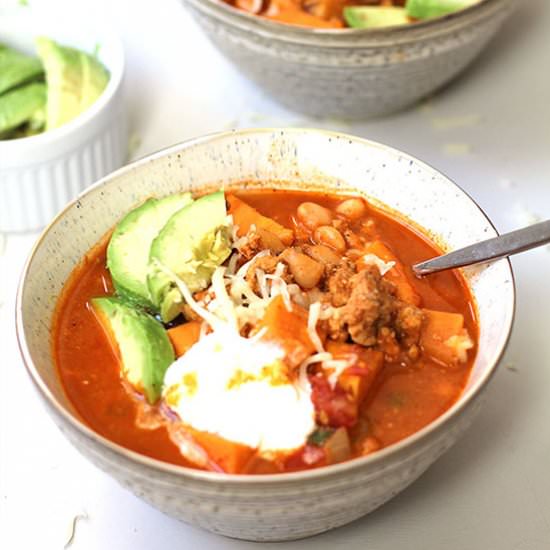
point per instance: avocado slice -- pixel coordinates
(17, 68)
(128, 250)
(371, 17)
(194, 241)
(142, 344)
(19, 105)
(34, 125)
(426, 9)
(75, 81)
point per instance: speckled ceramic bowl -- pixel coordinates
(285, 506)
(350, 73)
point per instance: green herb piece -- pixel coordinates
(320, 436)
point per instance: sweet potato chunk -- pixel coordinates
(288, 329)
(227, 455)
(365, 366)
(444, 337)
(184, 336)
(244, 216)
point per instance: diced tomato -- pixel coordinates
(339, 406)
(333, 405)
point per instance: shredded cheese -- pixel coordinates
(383, 267)
(327, 312)
(337, 367)
(460, 344)
(211, 319)
(262, 283)
(244, 268)
(303, 381)
(312, 319)
(240, 242)
(225, 304)
(279, 286)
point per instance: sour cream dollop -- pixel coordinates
(240, 389)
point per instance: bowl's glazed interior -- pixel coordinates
(283, 158)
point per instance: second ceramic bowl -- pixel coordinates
(350, 73)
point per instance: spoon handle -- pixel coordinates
(491, 249)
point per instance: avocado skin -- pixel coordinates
(17, 68)
(128, 249)
(194, 241)
(19, 105)
(427, 9)
(371, 17)
(142, 342)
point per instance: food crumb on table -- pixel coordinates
(452, 122)
(457, 149)
(72, 528)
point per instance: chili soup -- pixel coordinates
(261, 331)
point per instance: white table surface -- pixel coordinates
(490, 132)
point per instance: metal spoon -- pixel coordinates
(491, 249)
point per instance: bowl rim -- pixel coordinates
(345, 37)
(253, 479)
(116, 78)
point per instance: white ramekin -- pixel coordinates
(40, 174)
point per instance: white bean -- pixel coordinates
(313, 215)
(352, 209)
(330, 236)
(306, 271)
